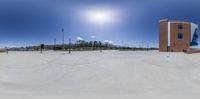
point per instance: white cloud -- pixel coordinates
(92, 36)
(108, 41)
(79, 38)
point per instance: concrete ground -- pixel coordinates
(95, 75)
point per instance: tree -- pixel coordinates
(95, 44)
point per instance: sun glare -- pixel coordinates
(100, 17)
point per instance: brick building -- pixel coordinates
(177, 36)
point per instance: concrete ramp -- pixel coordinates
(192, 51)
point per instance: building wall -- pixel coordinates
(163, 33)
(178, 45)
(168, 36)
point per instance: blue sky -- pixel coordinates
(131, 22)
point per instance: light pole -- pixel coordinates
(54, 43)
(6, 50)
(147, 46)
(41, 48)
(63, 38)
(93, 39)
(69, 45)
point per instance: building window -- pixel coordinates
(180, 27)
(180, 36)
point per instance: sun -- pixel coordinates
(100, 17)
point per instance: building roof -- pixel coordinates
(174, 21)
